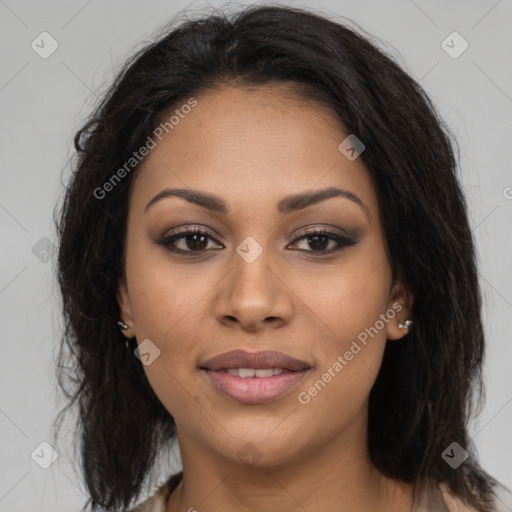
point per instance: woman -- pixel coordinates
(257, 209)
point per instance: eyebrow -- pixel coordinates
(286, 205)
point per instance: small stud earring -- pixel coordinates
(122, 325)
(406, 325)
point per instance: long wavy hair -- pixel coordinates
(429, 385)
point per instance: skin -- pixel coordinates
(252, 147)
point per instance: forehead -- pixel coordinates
(266, 140)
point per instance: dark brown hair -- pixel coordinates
(425, 392)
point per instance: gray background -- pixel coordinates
(42, 102)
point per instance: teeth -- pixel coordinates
(247, 373)
(267, 372)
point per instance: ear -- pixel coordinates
(401, 301)
(125, 309)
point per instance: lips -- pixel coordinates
(256, 360)
(254, 377)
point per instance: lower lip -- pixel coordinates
(255, 390)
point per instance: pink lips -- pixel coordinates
(254, 390)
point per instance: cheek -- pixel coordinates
(350, 297)
(165, 304)
(165, 316)
(349, 311)
(350, 356)
(165, 295)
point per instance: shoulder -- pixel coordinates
(502, 503)
(158, 501)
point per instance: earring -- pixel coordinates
(123, 327)
(406, 325)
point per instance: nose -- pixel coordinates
(254, 296)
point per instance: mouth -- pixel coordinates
(254, 377)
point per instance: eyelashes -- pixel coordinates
(195, 241)
(199, 236)
(322, 235)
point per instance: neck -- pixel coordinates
(327, 476)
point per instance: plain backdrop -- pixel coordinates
(44, 100)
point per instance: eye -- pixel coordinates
(192, 241)
(319, 241)
(196, 241)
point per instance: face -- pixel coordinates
(307, 278)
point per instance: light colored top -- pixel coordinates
(438, 499)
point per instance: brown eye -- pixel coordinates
(319, 241)
(196, 241)
(191, 241)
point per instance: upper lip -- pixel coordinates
(262, 359)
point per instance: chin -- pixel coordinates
(259, 447)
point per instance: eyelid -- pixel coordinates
(307, 230)
(342, 240)
(188, 229)
(182, 232)
(312, 228)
